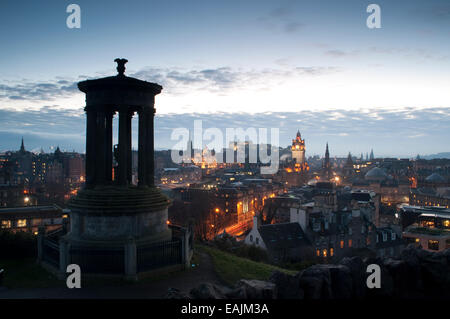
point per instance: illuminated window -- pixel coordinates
(6, 224)
(342, 244)
(324, 253)
(446, 223)
(318, 252)
(433, 244)
(21, 223)
(349, 243)
(331, 252)
(417, 240)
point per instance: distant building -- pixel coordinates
(298, 149)
(30, 218)
(326, 173)
(13, 195)
(284, 242)
(337, 221)
(426, 196)
(428, 227)
(295, 173)
(392, 190)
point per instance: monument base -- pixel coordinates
(119, 231)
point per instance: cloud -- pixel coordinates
(293, 26)
(282, 18)
(391, 132)
(41, 91)
(175, 81)
(336, 53)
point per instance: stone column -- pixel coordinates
(109, 146)
(100, 162)
(129, 153)
(150, 170)
(90, 145)
(123, 146)
(142, 153)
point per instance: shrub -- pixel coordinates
(17, 245)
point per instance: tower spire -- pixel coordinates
(326, 170)
(22, 146)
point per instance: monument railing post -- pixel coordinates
(62, 257)
(40, 242)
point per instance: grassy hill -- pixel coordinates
(231, 268)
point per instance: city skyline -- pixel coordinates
(344, 137)
(292, 65)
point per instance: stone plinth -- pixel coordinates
(113, 213)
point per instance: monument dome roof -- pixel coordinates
(435, 178)
(376, 173)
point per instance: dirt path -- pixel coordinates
(183, 280)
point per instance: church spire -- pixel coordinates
(22, 146)
(326, 170)
(349, 159)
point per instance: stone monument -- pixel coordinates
(117, 227)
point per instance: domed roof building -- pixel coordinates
(435, 178)
(376, 174)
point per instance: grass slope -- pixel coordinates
(231, 268)
(26, 273)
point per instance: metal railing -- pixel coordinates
(2, 275)
(98, 260)
(159, 255)
(51, 252)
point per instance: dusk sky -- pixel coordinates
(312, 66)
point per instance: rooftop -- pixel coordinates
(283, 235)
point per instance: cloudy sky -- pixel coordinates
(307, 65)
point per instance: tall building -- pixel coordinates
(296, 172)
(298, 149)
(348, 167)
(326, 166)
